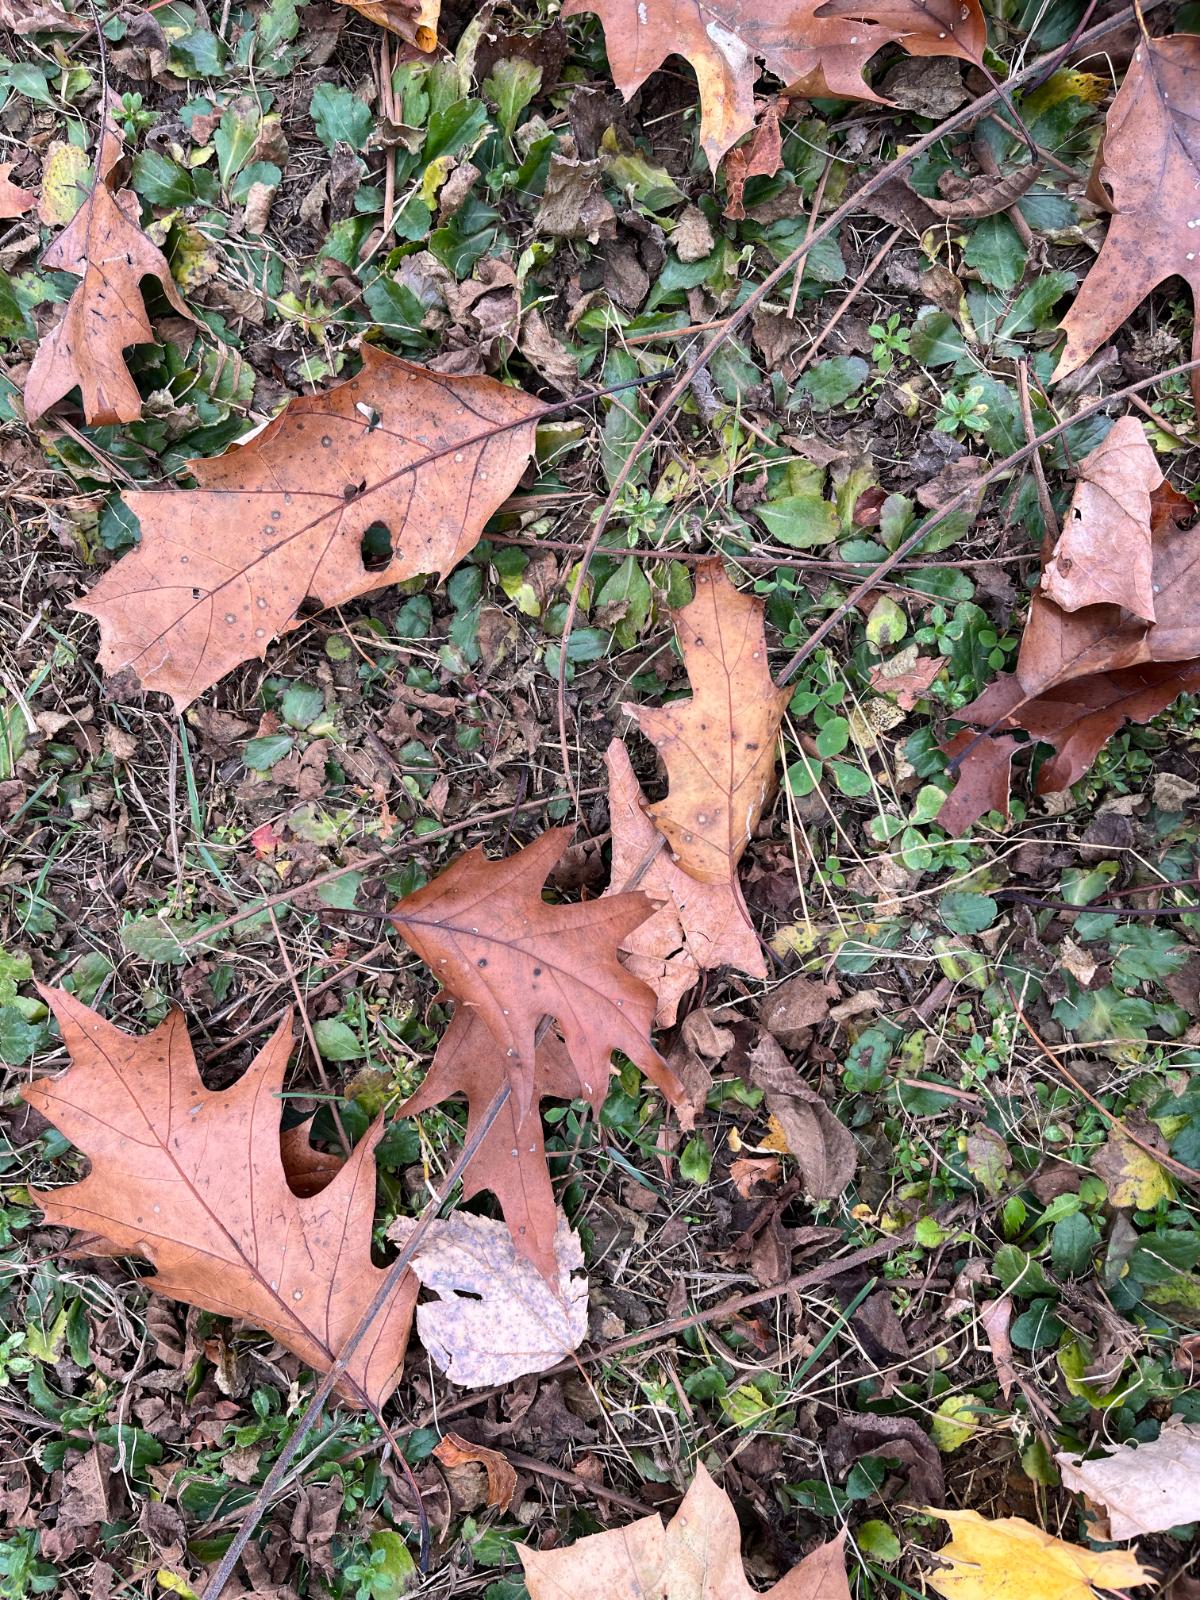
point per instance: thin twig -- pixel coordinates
(1049, 520)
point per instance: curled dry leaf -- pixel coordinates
(697, 927)
(452, 1450)
(1011, 1559)
(1082, 674)
(813, 49)
(493, 942)
(496, 1318)
(14, 201)
(511, 1161)
(223, 568)
(105, 248)
(985, 198)
(824, 1149)
(1149, 162)
(1144, 1488)
(697, 1556)
(719, 746)
(1104, 554)
(193, 1180)
(996, 1318)
(415, 21)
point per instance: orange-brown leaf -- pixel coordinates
(697, 1556)
(224, 568)
(105, 248)
(415, 21)
(14, 201)
(495, 945)
(193, 1180)
(511, 1161)
(697, 927)
(452, 1450)
(982, 782)
(814, 49)
(719, 746)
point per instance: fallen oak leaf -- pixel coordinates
(1104, 555)
(452, 1450)
(983, 780)
(14, 201)
(104, 247)
(496, 1318)
(1009, 1557)
(697, 926)
(1143, 1488)
(193, 1179)
(223, 568)
(494, 944)
(719, 746)
(812, 48)
(696, 1556)
(511, 1161)
(1149, 161)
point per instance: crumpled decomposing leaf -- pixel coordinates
(696, 1556)
(697, 926)
(718, 746)
(414, 21)
(814, 49)
(1011, 1559)
(1083, 672)
(496, 1317)
(823, 1147)
(193, 1180)
(104, 247)
(1149, 163)
(1142, 1488)
(224, 568)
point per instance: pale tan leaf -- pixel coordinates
(1144, 1488)
(496, 1317)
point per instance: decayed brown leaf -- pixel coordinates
(823, 1147)
(494, 944)
(1082, 674)
(416, 21)
(719, 746)
(14, 201)
(814, 49)
(105, 248)
(697, 1556)
(1143, 1488)
(452, 1450)
(1011, 1559)
(1149, 160)
(698, 926)
(511, 1161)
(193, 1180)
(495, 1318)
(223, 568)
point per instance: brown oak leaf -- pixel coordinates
(814, 49)
(719, 746)
(983, 779)
(697, 1556)
(104, 247)
(495, 945)
(511, 1161)
(193, 1180)
(697, 927)
(1149, 163)
(223, 568)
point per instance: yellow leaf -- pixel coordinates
(1133, 1178)
(776, 1139)
(66, 176)
(956, 1421)
(1010, 1559)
